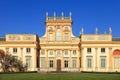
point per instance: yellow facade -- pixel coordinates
(98, 53)
(58, 44)
(59, 50)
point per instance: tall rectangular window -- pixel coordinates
(66, 37)
(66, 52)
(43, 62)
(58, 35)
(103, 62)
(14, 50)
(74, 52)
(89, 62)
(28, 50)
(66, 63)
(42, 52)
(74, 63)
(51, 63)
(51, 52)
(28, 61)
(51, 37)
(116, 62)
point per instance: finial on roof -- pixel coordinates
(46, 14)
(70, 14)
(96, 30)
(82, 31)
(54, 13)
(105, 32)
(110, 30)
(62, 14)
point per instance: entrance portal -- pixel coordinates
(58, 65)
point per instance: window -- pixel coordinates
(51, 37)
(102, 50)
(66, 63)
(58, 52)
(28, 61)
(66, 52)
(14, 50)
(50, 28)
(89, 62)
(117, 62)
(51, 52)
(103, 62)
(51, 63)
(66, 37)
(89, 50)
(74, 52)
(43, 62)
(66, 28)
(42, 52)
(58, 35)
(28, 50)
(74, 63)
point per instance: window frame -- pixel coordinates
(58, 35)
(74, 52)
(74, 63)
(89, 50)
(89, 62)
(103, 62)
(102, 50)
(51, 63)
(28, 50)
(66, 52)
(50, 37)
(65, 63)
(66, 37)
(14, 50)
(42, 52)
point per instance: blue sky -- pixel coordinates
(28, 16)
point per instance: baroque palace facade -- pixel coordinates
(60, 50)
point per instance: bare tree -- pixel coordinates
(10, 63)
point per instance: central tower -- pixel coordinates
(58, 28)
(59, 48)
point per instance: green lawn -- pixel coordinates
(59, 76)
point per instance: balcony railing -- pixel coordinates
(58, 18)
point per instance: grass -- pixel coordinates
(60, 76)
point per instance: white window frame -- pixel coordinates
(103, 64)
(51, 37)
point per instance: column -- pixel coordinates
(21, 57)
(70, 63)
(62, 60)
(47, 62)
(96, 59)
(78, 60)
(110, 60)
(82, 59)
(54, 58)
(34, 59)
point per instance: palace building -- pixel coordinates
(59, 50)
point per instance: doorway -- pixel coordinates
(58, 65)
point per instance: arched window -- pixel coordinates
(116, 55)
(58, 35)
